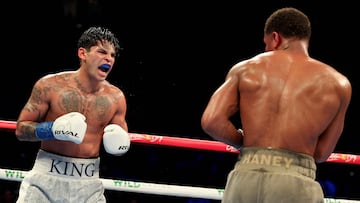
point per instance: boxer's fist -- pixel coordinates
(69, 127)
(116, 140)
(240, 131)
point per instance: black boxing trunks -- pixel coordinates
(56, 178)
(269, 175)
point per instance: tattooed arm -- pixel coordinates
(34, 111)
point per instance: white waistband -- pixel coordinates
(66, 166)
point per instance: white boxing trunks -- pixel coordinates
(56, 178)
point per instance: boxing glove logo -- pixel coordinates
(66, 133)
(123, 147)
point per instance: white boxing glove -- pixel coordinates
(69, 127)
(116, 140)
(241, 131)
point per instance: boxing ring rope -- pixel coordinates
(166, 189)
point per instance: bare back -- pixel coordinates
(288, 101)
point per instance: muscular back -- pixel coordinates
(289, 101)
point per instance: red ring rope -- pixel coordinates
(198, 144)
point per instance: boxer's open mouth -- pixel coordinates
(105, 67)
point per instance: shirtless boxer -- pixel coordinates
(292, 109)
(72, 113)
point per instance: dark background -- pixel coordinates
(175, 54)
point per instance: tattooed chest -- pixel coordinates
(95, 106)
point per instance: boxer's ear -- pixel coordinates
(82, 53)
